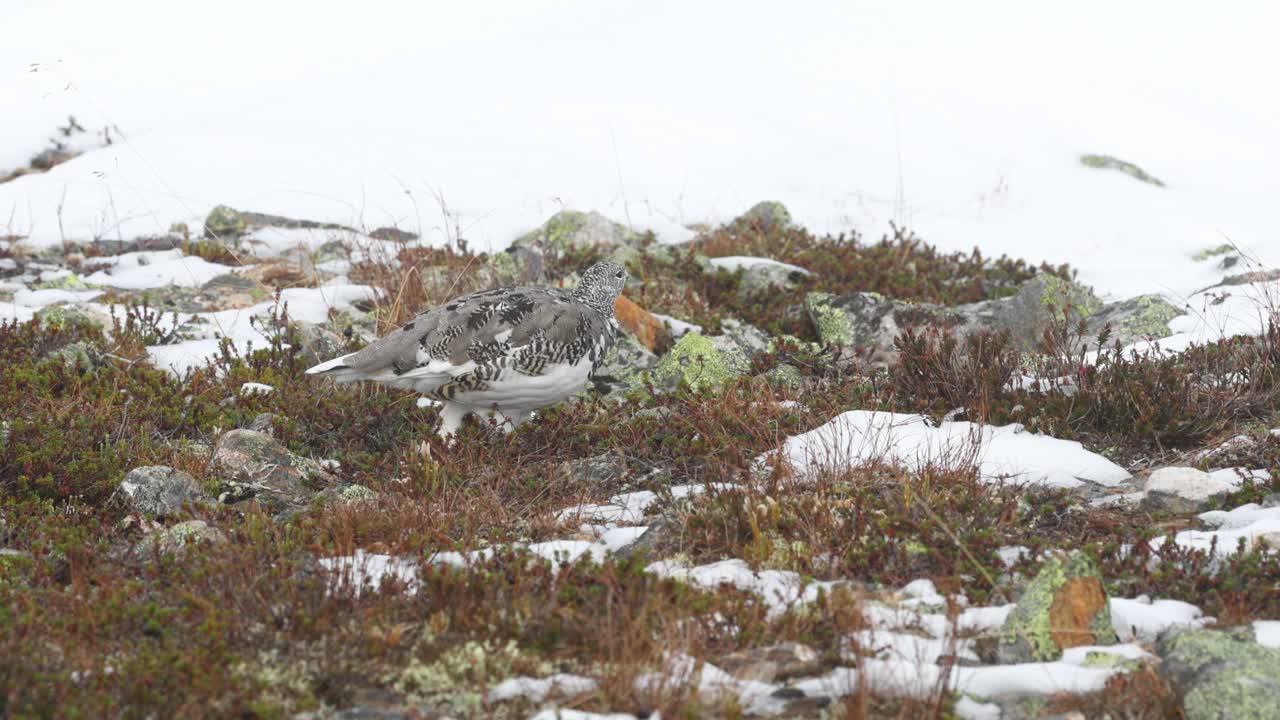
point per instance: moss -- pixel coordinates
(832, 324)
(1107, 162)
(697, 363)
(358, 493)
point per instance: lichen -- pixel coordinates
(833, 324)
(224, 222)
(1107, 162)
(458, 677)
(1150, 318)
(1213, 252)
(696, 362)
(1029, 622)
(1063, 293)
(1233, 678)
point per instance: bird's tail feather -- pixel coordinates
(337, 368)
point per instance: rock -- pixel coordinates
(319, 344)
(766, 215)
(393, 234)
(700, 363)
(1182, 490)
(1145, 317)
(742, 337)
(255, 465)
(1064, 606)
(64, 315)
(265, 423)
(867, 323)
(158, 491)
(572, 230)
(224, 223)
(775, 662)
(661, 539)
(1221, 675)
(78, 356)
(623, 367)
(606, 469)
(761, 274)
(646, 328)
(787, 376)
(180, 536)
(1028, 312)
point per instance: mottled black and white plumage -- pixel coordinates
(510, 350)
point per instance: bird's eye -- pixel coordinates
(620, 274)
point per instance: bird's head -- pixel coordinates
(602, 283)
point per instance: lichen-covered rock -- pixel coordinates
(224, 223)
(1145, 317)
(1039, 302)
(750, 340)
(254, 465)
(63, 315)
(700, 363)
(78, 356)
(357, 493)
(573, 230)
(181, 536)
(159, 491)
(623, 367)
(766, 215)
(866, 323)
(1063, 606)
(1221, 675)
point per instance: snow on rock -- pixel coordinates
(1142, 619)
(154, 269)
(52, 296)
(1267, 633)
(539, 689)
(367, 570)
(1187, 483)
(677, 327)
(901, 678)
(253, 388)
(1252, 523)
(733, 263)
(630, 508)
(780, 589)
(241, 326)
(1005, 452)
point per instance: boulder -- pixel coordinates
(573, 230)
(1221, 675)
(1182, 490)
(158, 491)
(181, 536)
(254, 465)
(623, 367)
(766, 215)
(1145, 317)
(224, 223)
(1064, 606)
(646, 328)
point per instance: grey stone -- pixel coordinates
(1182, 490)
(573, 230)
(623, 366)
(254, 465)
(1221, 675)
(766, 215)
(740, 336)
(770, 663)
(183, 535)
(159, 491)
(1145, 317)
(661, 539)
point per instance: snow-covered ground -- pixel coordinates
(964, 122)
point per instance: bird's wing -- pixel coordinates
(511, 326)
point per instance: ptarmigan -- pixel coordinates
(510, 350)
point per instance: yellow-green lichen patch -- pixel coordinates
(696, 362)
(1061, 294)
(1107, 162)
(1031, 632)
(1213, 252)
(833, 324)
(1150, 317)
(1223, 676)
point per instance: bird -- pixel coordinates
(508, 350)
